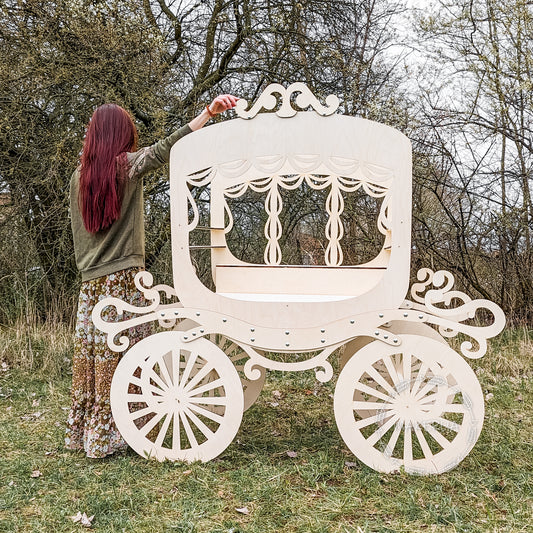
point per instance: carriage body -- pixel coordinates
(270, 153)
(400, 383)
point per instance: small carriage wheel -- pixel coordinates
(162, 398)
(424, 413)
(251, 388)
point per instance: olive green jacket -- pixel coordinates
(122, 244)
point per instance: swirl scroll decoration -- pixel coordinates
(148, 313)
(449, 309)
(304, 99)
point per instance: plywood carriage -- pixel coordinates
(336, 153)
(403, 398)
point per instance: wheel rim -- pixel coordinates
(418, 406)
(175, 400)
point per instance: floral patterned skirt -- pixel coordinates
(90, 425)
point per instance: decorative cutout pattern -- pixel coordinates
(305, 98)
(339, 174)
(449, 308)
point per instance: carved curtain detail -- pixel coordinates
(340, 175)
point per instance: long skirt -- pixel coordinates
(90, 425)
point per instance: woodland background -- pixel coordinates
(454, 76)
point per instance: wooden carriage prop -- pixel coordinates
(403, 399)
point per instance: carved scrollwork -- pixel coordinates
(304, 99)
(449, 309)
(142, 314)
(318, 362)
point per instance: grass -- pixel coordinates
(322, 489)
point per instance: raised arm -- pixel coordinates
(155, 156)
(220, 104)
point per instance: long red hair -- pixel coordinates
(110, 134)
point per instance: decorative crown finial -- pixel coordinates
(305, 98)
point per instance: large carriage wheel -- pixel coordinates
(395, 327)
(175, 400)
(418, 406)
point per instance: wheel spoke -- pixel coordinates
(391, 369)
(176, 439)
(420, 376)
(205, 412)
(176, 367)
(368, 406)
(454, 408)
(187, 426)
(394, 439)
(132, 397)
(448, 424)
(154, 377)
(430, 385)
(188, 368)
(165, 375)
(378, 378)
(141, 412)
(407, 367)
(381, 431)
(198, 377)
(152, 423)
(207, 387)
(208, 433)
(423, 442)
(372, 392)
(408, 443)
(209, 400)
(145, 386)
(163, 430)
(439, 437)
(373, 419)
(430, 398)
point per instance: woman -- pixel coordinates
(106, 202)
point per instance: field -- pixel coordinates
(286, 471)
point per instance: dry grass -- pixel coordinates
(38, 348)
(322, 488)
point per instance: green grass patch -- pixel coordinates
(323, 488)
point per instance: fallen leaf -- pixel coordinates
(83, 519)
(187, 472)
(11, 483)
(276, 394)
(292, 454)
(242, 510)
(274, 404)
(35, 403)
(349, 464)
(36, 473)
(220, 493)
(489, 396)
(519, 398)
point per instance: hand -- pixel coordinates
(222, 103)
